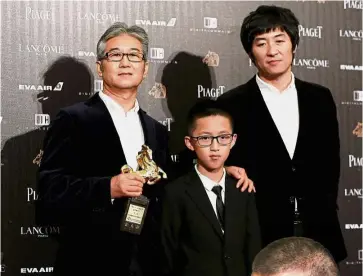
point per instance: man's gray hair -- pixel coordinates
(295, 254)
(120, 28)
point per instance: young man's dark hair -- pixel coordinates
(265, 19)
(294, 255)
(205, 108)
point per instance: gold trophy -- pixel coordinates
(136, 208)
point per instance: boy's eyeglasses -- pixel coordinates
(207, 140)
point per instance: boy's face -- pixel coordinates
(272, 53)
(213, 156)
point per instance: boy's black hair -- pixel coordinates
(265, 19)
(205, 108)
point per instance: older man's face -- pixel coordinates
(124, 74)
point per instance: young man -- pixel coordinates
(208, 226)
(288, 136)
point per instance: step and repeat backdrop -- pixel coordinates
(48, 55)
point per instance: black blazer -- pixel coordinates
(313, 173)
(192, 238)
(82, 151)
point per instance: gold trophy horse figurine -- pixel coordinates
(147, 167)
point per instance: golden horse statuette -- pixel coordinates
(147, 167)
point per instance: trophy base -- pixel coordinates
(135, 213)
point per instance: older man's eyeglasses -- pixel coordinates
(116, 56)
(207, 140)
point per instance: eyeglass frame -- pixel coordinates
(122, 56)
(213, 137)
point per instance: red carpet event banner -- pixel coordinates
(48, 55)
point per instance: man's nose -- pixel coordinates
(272, 49)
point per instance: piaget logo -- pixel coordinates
(355, 161)
(166, 122)
(310, 32)
(36, 14)
(210, 92)
(31, 194)
(353, 4)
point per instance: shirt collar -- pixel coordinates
(208, 183)
(264, 85)
(114, 106)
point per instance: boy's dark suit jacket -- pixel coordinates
(82, 151)
(192, 238)
(313, 173)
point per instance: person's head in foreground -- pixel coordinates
(294, 256)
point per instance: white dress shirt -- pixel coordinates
(209, 184)
(128, 127)
(284, 109)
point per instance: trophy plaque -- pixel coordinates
(136, 208)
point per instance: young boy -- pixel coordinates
(209, 228)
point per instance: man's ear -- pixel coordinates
(234, 139)
(252, 59)
(99, 68)
(188, 143)
(146, 70)
(295, 49)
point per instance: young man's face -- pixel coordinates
(123, 74)
(211, 157)
(272, 53)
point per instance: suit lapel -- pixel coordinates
(232, 200)
(148, 126)
(197, 193)
(303, 103)
(102, 122)
(265, 120)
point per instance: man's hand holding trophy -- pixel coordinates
(147, 172)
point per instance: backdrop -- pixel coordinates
(48, 59)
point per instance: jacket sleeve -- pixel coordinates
(170, 229)
(331, 147)
(63, 193)
(253, 245)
